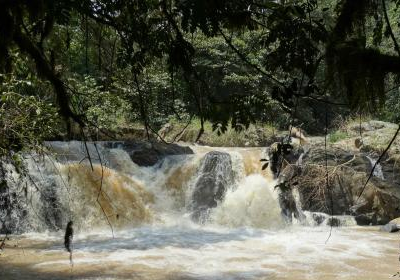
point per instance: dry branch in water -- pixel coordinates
(69, 235)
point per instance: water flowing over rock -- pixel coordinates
(390, 228)
(148, 154)
(115, 192)
(215, 175)
(224, 186)
(12, 212)
(348, 171)
(378, 168)
(213, 214)
(63, 186)
(254, 203)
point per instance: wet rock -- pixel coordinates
(281, 155)
(214, 176)
(333, 221)
(288, 205)
(52, 208)
(148, 154)
(319, 218)
(366, 219)
(390, 228)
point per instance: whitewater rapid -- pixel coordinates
(113, 191)
(135, 222)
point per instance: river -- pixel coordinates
(136, 222)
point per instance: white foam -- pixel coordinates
(246, 252)
(244, 238)
(253, 203)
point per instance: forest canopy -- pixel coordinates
(98, 65)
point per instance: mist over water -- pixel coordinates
(132, 220)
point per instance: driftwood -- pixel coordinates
(69, 235)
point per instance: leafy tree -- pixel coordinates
(227, 59)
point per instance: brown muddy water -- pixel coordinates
(154, 237)
(192, 252)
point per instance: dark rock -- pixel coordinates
(288, 205)
(390, 228)
(214, 176)
(319, 218)
(280, 154)
(12, 211)
(333, 221)
(149, 153)
(52, 208)
(366, 219)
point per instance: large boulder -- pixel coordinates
(348, 171)
(214, 176)
(149, 153)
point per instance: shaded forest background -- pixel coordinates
(96, 69)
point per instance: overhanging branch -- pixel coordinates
(44, 68)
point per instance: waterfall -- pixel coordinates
(215, 175)
(213, 214)
(253, 203)
(219, 186)
(378, 168)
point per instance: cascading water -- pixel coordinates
(213, 214)
(217, 187)
(253, 203)
(378, 168)
(215, 175)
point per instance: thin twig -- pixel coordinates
(101, 189)
(86, 148)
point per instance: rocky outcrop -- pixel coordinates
(344, 194)
(390, 228)
(143, 153)
(149, 153)
(12, 211)
(214, 176)
(370, 126)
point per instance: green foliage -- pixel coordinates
(229, 64)
(103, 108)
(25, 120)
(360, 52)
(391, 112)
(336, 136)
(256, 135)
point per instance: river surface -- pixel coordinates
(140, 226)
(192, 252)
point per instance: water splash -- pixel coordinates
(236, 191)
(253, 203)
(243, 237)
